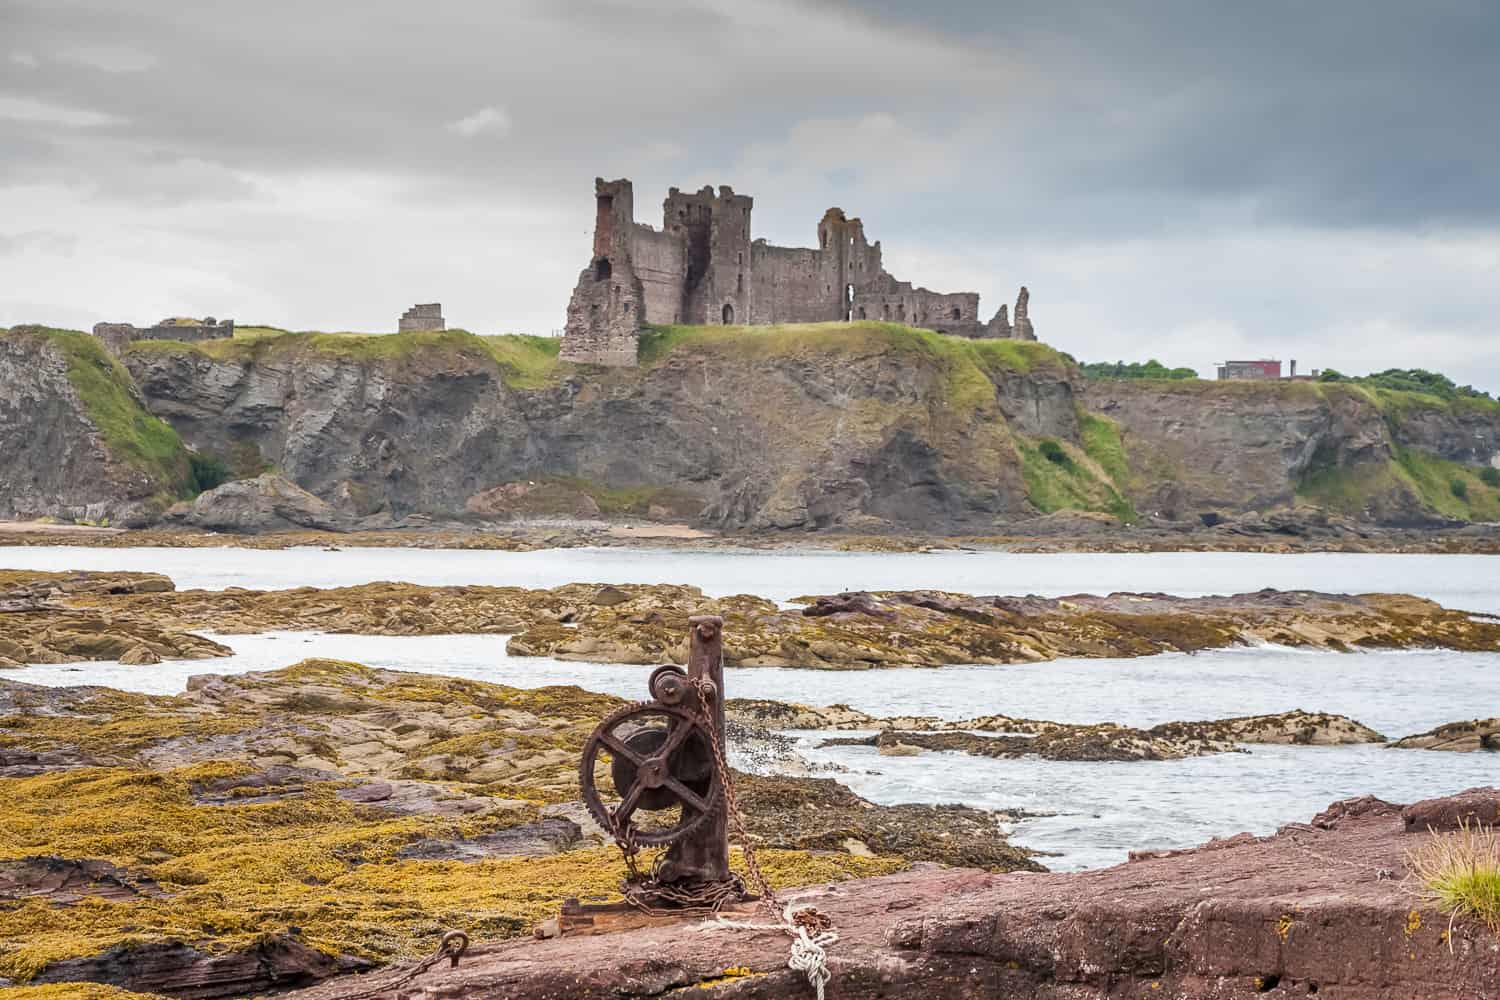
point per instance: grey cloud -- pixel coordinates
(1114, 157)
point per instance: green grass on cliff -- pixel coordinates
(1060, 476)
(969, 368)
(657, 342)
(1101, 440)
(1348, 489)
(525, 362)
(131, 434)
(1450, 488)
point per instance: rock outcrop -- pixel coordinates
(266, 503)
(1061, 741)
(1464, 737)
(76, 440)
(1318, 908)
(1200, 450)
(645, 624)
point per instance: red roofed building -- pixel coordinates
(1262, 369)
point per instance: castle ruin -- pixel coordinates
(116, 335)
(702, 267)
(423, 316)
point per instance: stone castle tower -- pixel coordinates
(702, 267)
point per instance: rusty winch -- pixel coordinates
(671, 782)
(673, 788)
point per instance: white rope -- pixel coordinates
(809, 953)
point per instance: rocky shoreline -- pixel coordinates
(1323, 908)
(49, 617)
(1056, 533)
(263, 831)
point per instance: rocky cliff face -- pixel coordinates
(834, 431)
(75, 438)
(863, 427)
(1390, 458)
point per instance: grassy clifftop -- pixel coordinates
(863, 336)
(525, 361)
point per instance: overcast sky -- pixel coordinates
(1179, 179)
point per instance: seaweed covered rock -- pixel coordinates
(821, 814)
(1463, 737)
(262, 830)
(1056, 740)
(646, 623)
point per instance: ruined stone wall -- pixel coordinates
(605, 312)
(946, 312)
(660, 262)
(1022, 329)
(426, 316)
(117, 335)
(789, 285)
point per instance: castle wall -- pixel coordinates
(946, 312)
(116, 335)
(425, 316)
(790, 285)
(605, 311)
(660, 262)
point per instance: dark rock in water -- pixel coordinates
(1307, 912)
(65, 880)
(546, 836)
(276, 962)
(1477, 806)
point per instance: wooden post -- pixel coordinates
(704, 854)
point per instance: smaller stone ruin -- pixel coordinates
(427, 316)
(116, 335)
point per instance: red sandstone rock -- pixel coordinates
(1475, 806)
(1316, 909)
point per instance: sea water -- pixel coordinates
(1097, 811)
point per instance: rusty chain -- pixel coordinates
(452, 946)
(812, 920)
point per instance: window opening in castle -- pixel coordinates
(601, 269)
(955, 312)
(740, 282)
